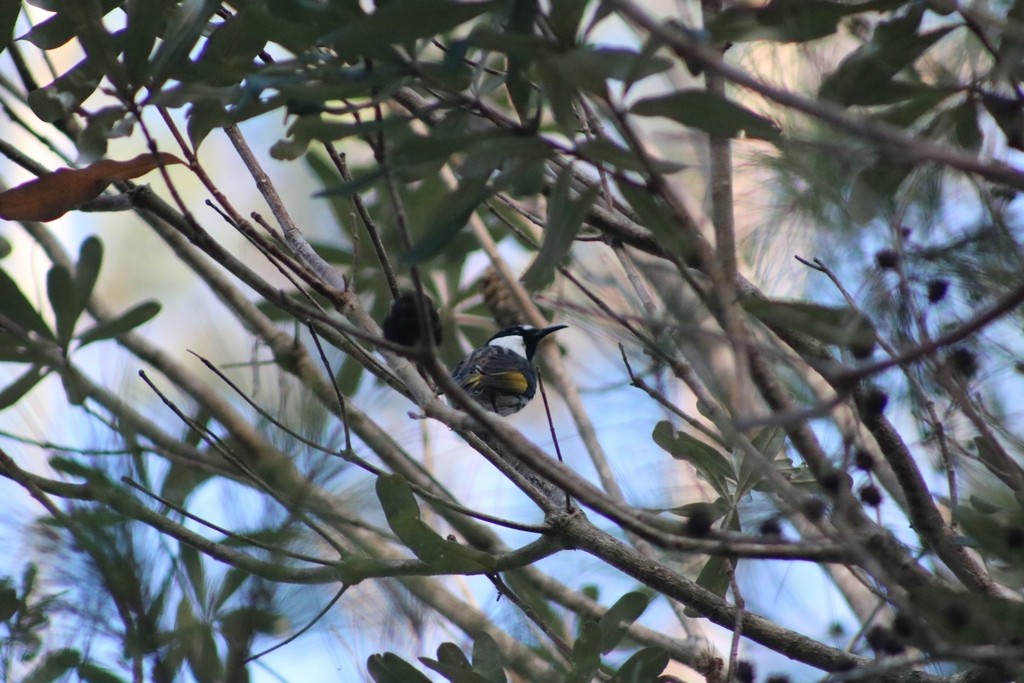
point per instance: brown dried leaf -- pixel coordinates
(52, 195)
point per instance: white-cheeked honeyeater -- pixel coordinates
(500, 375)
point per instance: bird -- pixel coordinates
(402, 324)
(500, 375)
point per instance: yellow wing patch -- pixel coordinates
(508, 382)
(513, 381)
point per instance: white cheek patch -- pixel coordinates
(513, 343)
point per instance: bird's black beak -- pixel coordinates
(535, 336)
(545, 331)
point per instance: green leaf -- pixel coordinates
(243, 621)
(767, 442)
(90, 673)
(709, 462)
(54, 666)
(561, 95)
(403, 515)
(788, 21)
(615, 622)
(439, 145)
(512, 150)
(836, 325)
(288, 150)
(712, 511)
(988, 533)
(184, 29)
(9, 602)
(390, 668)
(586, 654)
(709, 112)
(192, 561)
(143, 20)
(966, 131)
(591, 68)
(180, 481)
(967, 619)
(603, 150)
(202, 657)
(68, 91)
(17, 308)
(100, 127)
(76, 468)
(645, 665)
(449, 218)
(9, 10)
(1008, 116)
(712, 577)
(87, 270)
(123, 323)
(565, 217)
(315, 127)
(522, 45)
(75, 389)
(232, 47)
(13, 392)
(53, 32)
(518, 40)
(894, 46)
(874, 190)
(233, 580)
(487, 658)
(60, 289)
(203, 116)
(564, 19)
(656, 216)
(920, 102)
(453, 665)
(1011, 44)
(356, 185)
(401, 23)
(14, 350)
(985, 506)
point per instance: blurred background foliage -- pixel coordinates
(842, 493)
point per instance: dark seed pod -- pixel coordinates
(937, 290)
(744, 672)
(813, 509)
(887, 259)
(698, 524)
(402, 324)
(1015, 537)
(963, 362)
(870, 495)
(863, 460)
(770, 527)
(873, 403)
(957, 616)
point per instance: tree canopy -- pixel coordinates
(245, 242)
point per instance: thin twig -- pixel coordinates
(218, 444)
(221, 530)
(341, 164)
(641, 384)
(737, 629)
(334, 383)
(319, 615)
(529, 613)
(554, 435)
(350, 456)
